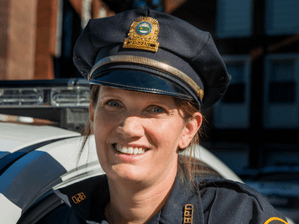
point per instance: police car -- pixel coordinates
(35, 159)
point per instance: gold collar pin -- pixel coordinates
(78, 197)
(188, 214)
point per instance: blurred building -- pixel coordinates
(259, 41)
(37, 36)
(255, 124)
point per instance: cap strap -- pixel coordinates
(148, 62)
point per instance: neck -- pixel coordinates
(131, 203)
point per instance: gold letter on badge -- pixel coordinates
(78, 197)
(188, 214)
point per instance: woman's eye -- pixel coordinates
(113, 104)
(157, 110)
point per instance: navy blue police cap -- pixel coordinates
(149, 51)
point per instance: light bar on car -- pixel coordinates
(21, 97)
(74, 96)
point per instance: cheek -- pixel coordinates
(166, 133)
(103, 122)
(103, 127)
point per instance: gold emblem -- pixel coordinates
(275, 220)
(143, 34)
(78, 197)
(188, 214)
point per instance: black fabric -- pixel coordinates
(62, 215)
(181, 45)
(216, 202)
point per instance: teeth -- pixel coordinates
(124, 149)
(136, 150)
(129, 150)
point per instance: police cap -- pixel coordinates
(149, 51)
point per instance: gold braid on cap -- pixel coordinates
(148, 62)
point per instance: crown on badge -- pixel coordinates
(143, 34)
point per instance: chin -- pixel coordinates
(125, 172)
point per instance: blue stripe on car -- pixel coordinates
(7, 158)
(30, 177)
(3, 154)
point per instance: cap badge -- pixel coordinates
(143, 34)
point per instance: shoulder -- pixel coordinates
(228, 200)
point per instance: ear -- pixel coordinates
(91, 115)
(190, 129)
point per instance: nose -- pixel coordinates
(131, 127)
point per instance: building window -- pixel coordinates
(282, 85)
(281, 91)
(232, 111)
(282, 17)
(236, 70)
(234, 18)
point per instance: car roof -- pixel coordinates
(14, 137)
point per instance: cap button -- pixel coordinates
(77, 58)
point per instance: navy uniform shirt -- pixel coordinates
(216, 202)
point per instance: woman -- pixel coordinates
(151, 74)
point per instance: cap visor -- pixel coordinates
(139, 81)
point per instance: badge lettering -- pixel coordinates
(188, 214)
(78, 197)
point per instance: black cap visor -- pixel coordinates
(135, 80)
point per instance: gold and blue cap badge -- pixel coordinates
(143, 34)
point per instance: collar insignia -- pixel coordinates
(78, 197)
(188, 214)
(143, 34)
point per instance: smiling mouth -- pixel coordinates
(129, 149)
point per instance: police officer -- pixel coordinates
(151, 75)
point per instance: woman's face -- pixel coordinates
(137, 134)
